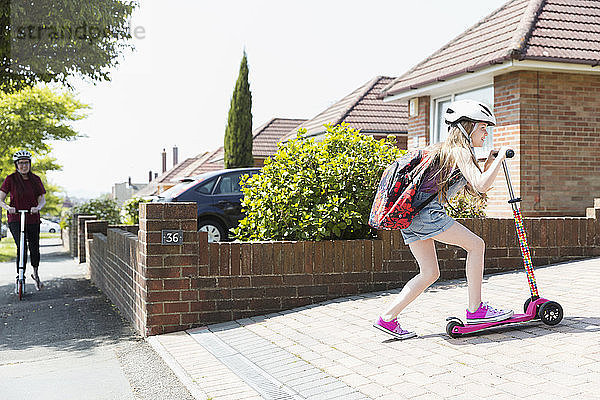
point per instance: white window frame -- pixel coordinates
(480, 152)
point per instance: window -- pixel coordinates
(440, 105)
(206, 187)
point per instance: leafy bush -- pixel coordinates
(103, 207)
(130, 211)
(465, 206)
(316, 190)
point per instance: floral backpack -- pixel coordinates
(392, 207)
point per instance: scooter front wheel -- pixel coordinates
(20, 288)
(551, 313)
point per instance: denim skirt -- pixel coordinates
(430, 221)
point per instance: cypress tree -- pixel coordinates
(238, 134)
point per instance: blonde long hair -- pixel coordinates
(445, 154)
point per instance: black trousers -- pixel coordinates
(32, 241)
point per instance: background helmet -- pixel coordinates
(469, 110)
(21, 155)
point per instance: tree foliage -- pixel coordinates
(316, 190)
(50, 40)
(464, 205)
(238, 134)
(32, 116)
(103, 207)
(130, 211)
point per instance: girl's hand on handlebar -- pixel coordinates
(35, 210)
(12, 210)
(490, 159)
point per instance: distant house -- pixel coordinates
(362, 109)
(122, 192)
(538, 64)
(264, 144)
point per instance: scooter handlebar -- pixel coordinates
(510, 153)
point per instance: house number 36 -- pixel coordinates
(172, 236)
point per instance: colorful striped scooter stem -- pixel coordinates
(514, 202)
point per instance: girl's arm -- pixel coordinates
(481, 181)
(5, 206)
(41, 203)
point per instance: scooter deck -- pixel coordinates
(517, 318)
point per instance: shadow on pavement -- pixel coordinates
(67, 314)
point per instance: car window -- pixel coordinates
(230, 183)
(206, 187)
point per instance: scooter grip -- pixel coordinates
(510, 153)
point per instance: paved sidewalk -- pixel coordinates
(67, 342)
(330, 350)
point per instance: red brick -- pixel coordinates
(190, 271)
(190, 318)
(328, 257)
(151, 211)
(319, 256)
(235, 259)
(267, 251)
(189, 294)
(247, 293)
(266, 281)
(178, 211)
(277, 258)
(288, 257)
(224, 258)
(308, 257)
(338, 256)
(203, 306)
(298, 267)
(154, 308)
(164, 319)
(257, 259)
(170, 272)
(180, 260)
(246, 259)
(297, 280)
(178, 307)
(157, 296)
(174, 284)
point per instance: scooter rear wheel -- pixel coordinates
(450, 328)
(551, 313)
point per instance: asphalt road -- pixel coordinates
(68, 342)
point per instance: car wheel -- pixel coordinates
(52, 230)
(216, 232)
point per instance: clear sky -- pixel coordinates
(175, 88)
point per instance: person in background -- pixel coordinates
(26, 193)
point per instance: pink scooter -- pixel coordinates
(549, 312)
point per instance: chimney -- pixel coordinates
(175, 156)
(129, 181)
(149, 176)
(164, 161)
(155, 175)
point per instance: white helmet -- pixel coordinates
(469, 110)
(21, 155)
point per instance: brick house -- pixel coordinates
(362, 109)
(537, 63)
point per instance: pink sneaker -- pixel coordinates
(393, 328)
(486, 313)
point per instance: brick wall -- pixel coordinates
(168, 288)
(113, 257)
(418, 126)
(81, 219)
(560, 132)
